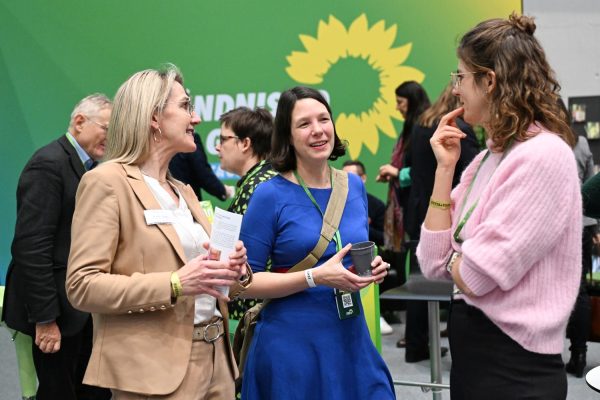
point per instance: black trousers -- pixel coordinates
(488, 364)
(580, 322)
(60, 374)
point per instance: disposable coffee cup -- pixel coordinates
(362, 254)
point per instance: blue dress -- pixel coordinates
(301, 349)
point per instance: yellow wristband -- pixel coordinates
(438, 204)
(176, 287)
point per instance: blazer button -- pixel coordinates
(163, 307)
(129, 312)
(152, 309)
(142, 310)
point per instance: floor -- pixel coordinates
(400, 370)
(394, 357)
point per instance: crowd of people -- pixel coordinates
(115, 280)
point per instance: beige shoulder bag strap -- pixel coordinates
(331, 220)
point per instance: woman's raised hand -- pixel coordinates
(333, 274)
(445, 142)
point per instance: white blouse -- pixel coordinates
(192, 235)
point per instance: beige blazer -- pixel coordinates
(119, 270)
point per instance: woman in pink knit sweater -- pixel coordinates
(509, 234)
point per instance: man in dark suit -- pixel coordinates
(35, 302)
(376, 207)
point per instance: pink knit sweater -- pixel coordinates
(521, 250)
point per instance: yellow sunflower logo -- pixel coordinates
(361, 68)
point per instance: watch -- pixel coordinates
(451, 261)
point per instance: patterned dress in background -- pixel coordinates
(258, 174)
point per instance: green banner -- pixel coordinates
(231, 53)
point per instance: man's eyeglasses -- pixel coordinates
(104, 127)
(457, 77)
(187, 104)
(222, 139)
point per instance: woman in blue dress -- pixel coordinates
(302, 348)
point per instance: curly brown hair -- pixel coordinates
(526, 88)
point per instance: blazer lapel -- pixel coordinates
(74, 159)
(145, 196)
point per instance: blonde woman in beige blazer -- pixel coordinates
(139, 260)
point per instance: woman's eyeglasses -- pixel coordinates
(187, 104)
(457, 77)
(222, 139)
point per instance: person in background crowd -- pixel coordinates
(590, 194)
(139, 256)
(376, 206)
(243, 148)
(194, 169)
(422, 175)
(580, 322)
(411, 101)
(509, 235)
(35, 302)
(376, 212)
(302, 339)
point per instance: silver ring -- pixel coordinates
(388, 266)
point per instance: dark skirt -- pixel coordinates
(488, 364)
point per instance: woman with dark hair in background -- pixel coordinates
(422, 175)
(305, 345)
(411, 101)
(509, 234)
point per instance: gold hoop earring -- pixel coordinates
(154, 136)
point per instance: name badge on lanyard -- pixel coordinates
(347, 304)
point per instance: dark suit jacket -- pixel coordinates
(35, 283)
(194, 169)
(377, 216)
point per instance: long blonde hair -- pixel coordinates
(142, 96)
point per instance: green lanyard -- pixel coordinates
(247, 178)
(337, 239)
(466, 217)
(464, 220)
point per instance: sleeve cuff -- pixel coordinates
(477, 282)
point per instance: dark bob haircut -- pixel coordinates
(283, 156)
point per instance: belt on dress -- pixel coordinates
(209, 331)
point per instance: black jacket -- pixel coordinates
(194, 169)
(35, 282)
(422, 172)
